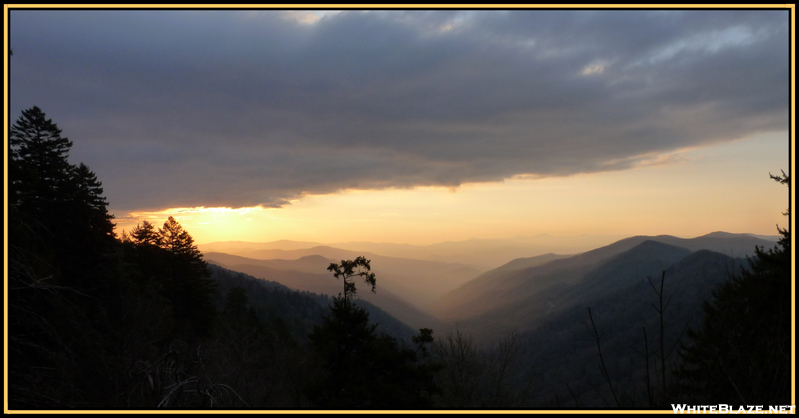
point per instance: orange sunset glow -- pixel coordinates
(388, 210)
(675, 196)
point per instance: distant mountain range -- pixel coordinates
(418, 281)
(543, 299)
(481, 254)
(508, 290)
(563, 351)
(300, 311)
(310, 274)
(413, 289)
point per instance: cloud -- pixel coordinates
(245, 108)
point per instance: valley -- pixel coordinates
(525, 288)
(542, 300)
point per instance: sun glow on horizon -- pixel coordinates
(668, 193)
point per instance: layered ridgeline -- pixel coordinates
(515, 290)
(481, 254)
(142, 321)
(621, 294)
(295, 311)
(406, 286)
(309, 274)
(418, 281)
(545, 303)
(511, 297)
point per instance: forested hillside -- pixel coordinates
(629, 330)
(307, 274)
(297, 310)
(141, 320)
(418, 281)
(515, 282)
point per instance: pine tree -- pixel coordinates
(169, 259)
(363, 369)
(145, 235)
(63, 202)
(92, 205)
(180, 244)
(85, 231)
(742, 353)
(40, 170)
(61, 251)
(38, 179)
(187, 280)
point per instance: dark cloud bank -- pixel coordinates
(238, 108)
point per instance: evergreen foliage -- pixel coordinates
(349, 269)
(59, 203)
(100, 323)
(144, 235)
(84, 309)
(273, 302)
(169, 259)
(144, 322)
(188, 277)
(742, 352)
(40, 171)
(91, 205)
(60, 284)
(361, 368)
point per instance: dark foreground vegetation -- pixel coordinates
(141, 321)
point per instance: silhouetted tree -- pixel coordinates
(144, 257)
(39, 189)
(187, 277)
(61, 263)
(361, 368)
(88, 241)
(178, 242)
(352, 268)
(742, 353)
(92, 206)
(144, 235)
(40, 171)
(169, 259)
(65, 200)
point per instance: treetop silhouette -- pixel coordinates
(352, 268)
(363, 369)
(742, 352)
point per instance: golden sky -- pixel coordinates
(687, 193)
(419, 126)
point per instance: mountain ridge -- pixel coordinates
(498, 287)
(483, 253)
(322, 283)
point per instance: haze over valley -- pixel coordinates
(541, 300)
(390, 209)
(463, 293)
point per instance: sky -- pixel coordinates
(419, 126)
